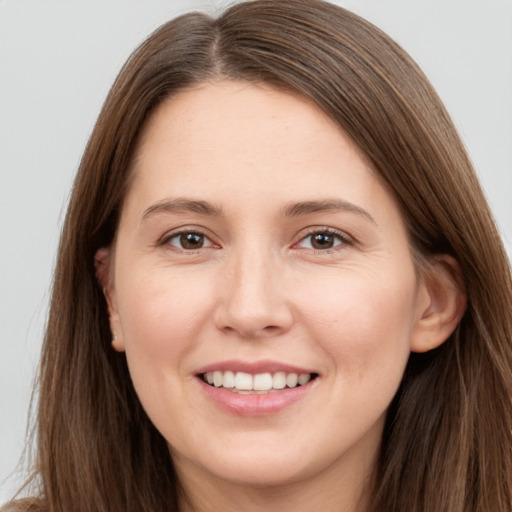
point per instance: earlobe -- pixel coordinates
(101, 264)
(441, 303)
(117, 343)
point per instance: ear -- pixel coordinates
(441, 303)
(102, 263)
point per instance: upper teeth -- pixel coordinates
(241, 381)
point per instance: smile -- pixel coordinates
(260, 383)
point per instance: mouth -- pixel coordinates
(256, 384)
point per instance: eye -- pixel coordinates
(324, 239)
(188, 240)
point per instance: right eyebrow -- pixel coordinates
(327, 205)
(182, 205)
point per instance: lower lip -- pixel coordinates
(257, 404)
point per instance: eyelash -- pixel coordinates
(194, 232)
(342, 238)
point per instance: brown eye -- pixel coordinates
(322, 240)
(189, 240)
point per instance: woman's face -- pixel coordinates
(257, 249)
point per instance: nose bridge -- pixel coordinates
(253, 302)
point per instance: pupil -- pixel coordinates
(191, 240)
(322, 241)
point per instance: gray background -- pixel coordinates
(57, 62)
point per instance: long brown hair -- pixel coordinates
(447, 443)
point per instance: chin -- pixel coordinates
(256, 463)
(261, 473)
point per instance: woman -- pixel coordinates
(274, 290)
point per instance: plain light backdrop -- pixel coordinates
(57, 62)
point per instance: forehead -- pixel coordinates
(257, 113)
(232, 140)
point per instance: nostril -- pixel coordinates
(247, 332)
(252, 318)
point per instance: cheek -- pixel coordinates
(364, 323)
(162, 313)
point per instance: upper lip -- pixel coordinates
(253, 367)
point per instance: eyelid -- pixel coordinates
(164, 240)
(346, 239)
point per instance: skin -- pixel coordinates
(258, 290)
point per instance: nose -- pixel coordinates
(253, 301)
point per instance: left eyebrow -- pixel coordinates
(183, 205)
(327, 205)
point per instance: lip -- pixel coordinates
(253, 367)
(252, 405)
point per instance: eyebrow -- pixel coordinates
(183, 205)
(327, 205)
